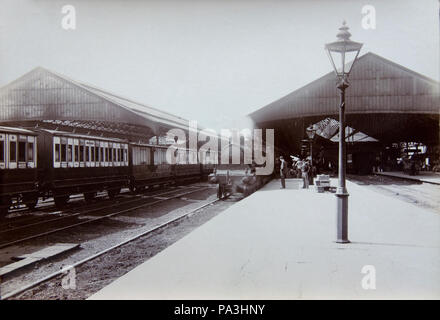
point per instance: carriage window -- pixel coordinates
(13, 151)
(30, 152)
(76, 153)
(125, 155)
(96, 154)
(159, 156)
(57, 153)
(2, 151)
(102, 155)
(145, 155)
(92, 154)
(87, 153)
(110, 154)
(63, 152)
(114, 155)
(22, 151)
(69, 153)
(81, 153)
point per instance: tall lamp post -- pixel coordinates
(342, 54)
(311, 130)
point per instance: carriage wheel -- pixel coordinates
(3, 211)
(60, 201)
(30, 201)
(5, 203)
(113, 192)
(89, 196)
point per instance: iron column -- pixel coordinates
(341, 191)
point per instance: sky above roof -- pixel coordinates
(213, 61)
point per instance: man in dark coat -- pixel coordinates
(283, 170)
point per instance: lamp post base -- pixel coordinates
(342, 215)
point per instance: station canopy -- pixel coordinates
(385, 103)
(329, 129)
(50, 100)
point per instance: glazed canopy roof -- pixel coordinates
(45, 97)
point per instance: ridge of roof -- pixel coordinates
(368, 54)
(160, 116)
(93, 89)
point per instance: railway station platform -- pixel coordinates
(279, 244)
(423, 176)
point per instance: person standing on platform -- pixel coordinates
(305, 174)
(283, 169)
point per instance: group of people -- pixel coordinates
(300, 169)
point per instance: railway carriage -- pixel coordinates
(148, 166)
(50, 163)
(74, 163)
(187, 167)
(18, 168)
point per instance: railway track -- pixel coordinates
(105, 251)
(48, 205)
(71, 213)
(71, 221)
(46, 208)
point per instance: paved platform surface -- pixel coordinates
(423, 176)
(278, 244)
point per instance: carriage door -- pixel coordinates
(110, 154)
(102, 154)
(31, 154)
(2, 151)
(117, 159)
(63, 152)
(126, 154)
(75, 153)
(56, 152)
(21, 152)
(106, 154)
(70, 152)
(115, 155)
(12, 154)
(94, 153)
(82, 153)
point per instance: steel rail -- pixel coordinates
(96, 255)
(4, 245)
(83, 212)
(46, 206)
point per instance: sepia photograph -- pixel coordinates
(219, 154)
